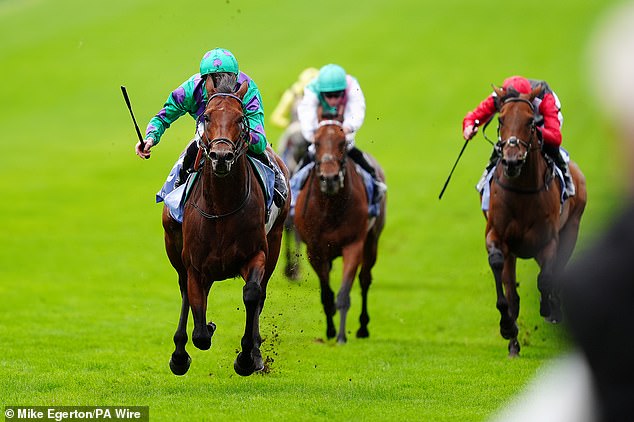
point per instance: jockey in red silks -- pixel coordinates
(548, 120)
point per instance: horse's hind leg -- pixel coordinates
(292, 250)
(249, 359)
(549, 306)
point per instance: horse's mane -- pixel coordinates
(225, 83)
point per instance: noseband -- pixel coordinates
(239, 146)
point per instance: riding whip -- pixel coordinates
(453, 168)
(136, 126)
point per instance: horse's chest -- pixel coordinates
(526, 240)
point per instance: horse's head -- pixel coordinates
(330, 156)
(517, 134)
(226, 130)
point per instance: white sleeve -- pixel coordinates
(307, 114)
(354, 113)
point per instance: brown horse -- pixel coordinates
(331, 216)
(223, 234)
(525, 218)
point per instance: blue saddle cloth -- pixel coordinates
(299, 178)
(175, 198)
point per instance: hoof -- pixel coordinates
(514, 348)
(247, 368)
(211, 327)
(331, 333)
(178, 367)
(342, 340)
(202, 338)
(363, 333)
(544, 308)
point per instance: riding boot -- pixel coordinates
(555, 154)
(188, 164)
(280, 192)
(495, 156)
(379, 187)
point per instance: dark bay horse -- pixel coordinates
(331, 216)
(525, 218)
(223, 234)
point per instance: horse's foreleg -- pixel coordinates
(498, 261)
(180, 360)
(351, 259)
(197, 294)
(250, 358)
(322, 268)
(370, 251)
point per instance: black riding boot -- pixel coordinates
(188, 164)
(555, 154)
(379, 187)
(280, 192)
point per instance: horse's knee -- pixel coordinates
(496, 260)
(251, 293)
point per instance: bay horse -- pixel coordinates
(525, 217)
(331, 216)
(223, 233)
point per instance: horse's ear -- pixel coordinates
(500, 92)
(536, 91)
(209, 86)
(242, 90)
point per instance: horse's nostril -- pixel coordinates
(213, 155)
(230, 156)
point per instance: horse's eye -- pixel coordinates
(207, 118)
(500, 121)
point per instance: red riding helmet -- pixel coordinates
(518, 83)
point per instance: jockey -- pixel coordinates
(336, 95)
(191, 97)
(548, 119)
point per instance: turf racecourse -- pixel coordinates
(89, 301)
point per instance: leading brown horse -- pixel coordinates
(223, 234)
(331, 216)
(525, 218)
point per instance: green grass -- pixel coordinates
(90, 302)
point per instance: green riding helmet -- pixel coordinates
(331, 78)
(218, 60)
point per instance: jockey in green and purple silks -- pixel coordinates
(191, 98)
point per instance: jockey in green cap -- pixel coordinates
(191, 98)
(334, 94)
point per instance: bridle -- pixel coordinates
(514, 141)
(327, 158)
(239, 146)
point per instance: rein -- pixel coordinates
(244, 201)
